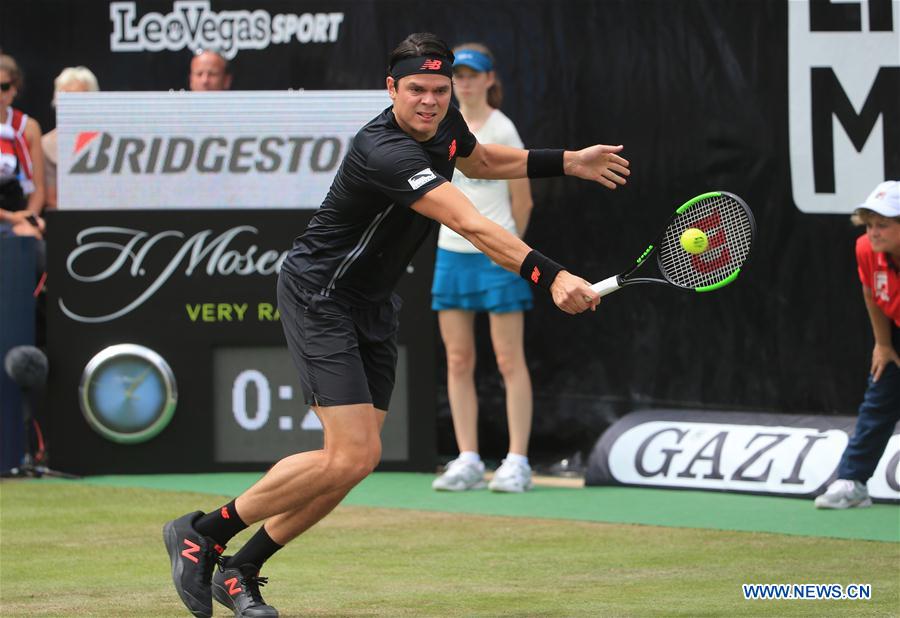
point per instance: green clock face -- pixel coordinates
(128, 393)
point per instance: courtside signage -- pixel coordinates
(194, 25)
(107, 260)
(206, 150)
(843, 93)
(740, 452)
(724, 456)
(197, 289)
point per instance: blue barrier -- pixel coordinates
(18, 265)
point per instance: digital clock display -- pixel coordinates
(260, 414)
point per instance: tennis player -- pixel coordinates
(339, 312)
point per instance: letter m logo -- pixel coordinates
(830, 102)
(843, 93)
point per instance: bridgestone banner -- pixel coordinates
(206, 150)
(781, 454)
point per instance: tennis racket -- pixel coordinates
(729, 227)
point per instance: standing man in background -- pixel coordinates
(209, 72)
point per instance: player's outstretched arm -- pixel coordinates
(448, 205)
(600, 163)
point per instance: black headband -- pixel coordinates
(422, 65)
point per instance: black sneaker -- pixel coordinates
(237, 588)
(193, 557)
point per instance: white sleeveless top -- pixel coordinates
(491, 197)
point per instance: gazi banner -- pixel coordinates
(774, 454)
(206, 149)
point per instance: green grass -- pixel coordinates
(79, 550)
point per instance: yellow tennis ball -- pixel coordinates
(694, 240)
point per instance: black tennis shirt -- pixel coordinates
(359, 243)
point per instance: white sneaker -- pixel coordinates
(511, 477)
(843, 494)
(460, 476)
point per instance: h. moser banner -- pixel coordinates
(206, 150)
(773, 454)
(167, 348)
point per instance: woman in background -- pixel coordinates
(466, 282)
(72, 79)
(21, 160)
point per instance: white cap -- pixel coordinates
(885, 199)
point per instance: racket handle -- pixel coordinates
(607, 286)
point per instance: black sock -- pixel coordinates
(257, 550)
(220, 525)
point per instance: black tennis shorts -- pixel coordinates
(345, 355)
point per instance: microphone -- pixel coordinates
(27, 366)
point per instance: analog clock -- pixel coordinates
(128, 393)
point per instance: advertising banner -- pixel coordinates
(744, 452)
(790, 104)
(168, 353)
(843, 93)
(196, 25)
(206, 150)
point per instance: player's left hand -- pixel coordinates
(882, 356)
(599, 163)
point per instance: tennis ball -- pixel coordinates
(694, 240)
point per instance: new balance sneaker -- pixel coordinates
(844, 494)
(193, 557)
(511, 477)
(460, 476)
(237, 588)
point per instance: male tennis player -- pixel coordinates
(335, 294)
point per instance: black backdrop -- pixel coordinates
(697, 93)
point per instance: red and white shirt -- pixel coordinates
(15, 160)
(879, 274)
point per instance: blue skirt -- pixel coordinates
(472, 282)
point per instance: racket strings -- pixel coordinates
(730, 232)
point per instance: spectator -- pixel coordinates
(21, 160)
(878, 261)
(466, 281)
(209, 72)
(72, 79)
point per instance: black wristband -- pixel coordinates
(545, 163)
(539, 269)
